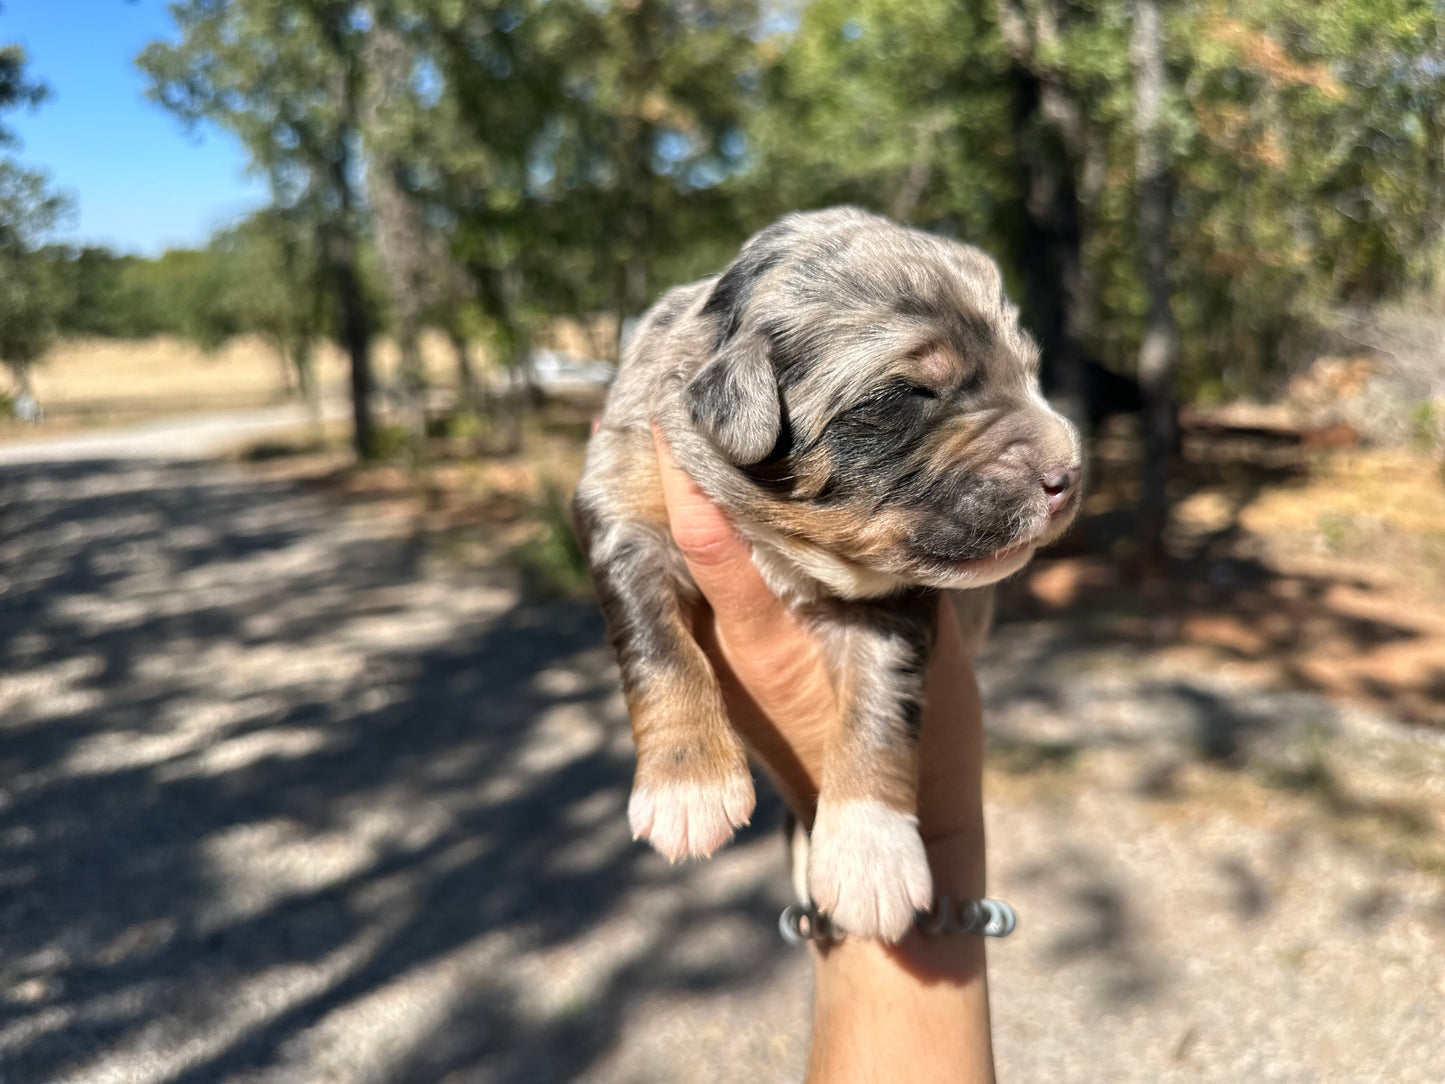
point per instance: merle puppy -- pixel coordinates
(859, 398)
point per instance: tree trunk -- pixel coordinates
(1158, 351)
(24, 406)
(638, 138)
(411, 376)
(289, 387)
(355, 336)
(920, 172)
(341, 232)
(399, 231)
(304, 358)
(468, 390)
(1050, 240)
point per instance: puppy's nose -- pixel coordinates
(1059, 485)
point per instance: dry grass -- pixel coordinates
(1398, 488)
(111, 376)
(85, 382)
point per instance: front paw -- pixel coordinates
(867, 868)
(690, 819)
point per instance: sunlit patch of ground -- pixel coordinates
(473, 500)
(1297, 568)
(302, 788)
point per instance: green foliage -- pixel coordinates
(1309, 170)
(290, 78)
(573, 158)
(1425, 425)
(110, 295)
(274, 72)
(1308, 150)
(890, 104)
(390, 443)
(584, 146)
(16, 88)
(552, 562)
(32, 294)
(262, 277)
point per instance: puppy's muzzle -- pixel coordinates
(1061, 486)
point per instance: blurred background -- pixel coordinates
(314, 765)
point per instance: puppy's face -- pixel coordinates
(874, 386)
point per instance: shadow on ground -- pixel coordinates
(272, 789)
(1222, 600)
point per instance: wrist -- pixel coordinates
(957, 861)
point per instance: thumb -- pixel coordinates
(720, 561)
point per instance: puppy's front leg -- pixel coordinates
(867, 867)
(692, 787)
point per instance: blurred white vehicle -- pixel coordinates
(555, 371)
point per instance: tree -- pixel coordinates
(1307, 170)
(573, 157)
(32, 294)
(17, 89)
(32, 291)
(415, 259)
(265, 277)
(396, 225)
(897, 106)
(287, 78)
(597, 138)
(972, 118)
(1158, 352)
(1050, 121)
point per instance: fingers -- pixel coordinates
(720, 561)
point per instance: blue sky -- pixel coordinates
(142, 183)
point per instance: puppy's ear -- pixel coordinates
(734, 399)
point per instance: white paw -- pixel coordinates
(690, 820)
(867, 868)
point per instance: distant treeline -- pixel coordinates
(239, 284)
(104, 294)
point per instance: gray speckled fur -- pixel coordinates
(754, 379)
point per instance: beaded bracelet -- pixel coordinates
(803, 922)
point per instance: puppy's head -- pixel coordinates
(872, 386)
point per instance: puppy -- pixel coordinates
(861, 401)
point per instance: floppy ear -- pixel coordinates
(734, 399)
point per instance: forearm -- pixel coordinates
(918, 1011)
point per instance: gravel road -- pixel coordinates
(282, 799)
(189, 436)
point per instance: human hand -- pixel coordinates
(917, 1010)
(782, 700)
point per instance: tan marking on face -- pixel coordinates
(811, 473)
(937, 367)
(849, 530)
(955, 443)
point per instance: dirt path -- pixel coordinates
(286, 800)
(189, 436)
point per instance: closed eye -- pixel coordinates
(922, 391)
(888, 405)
